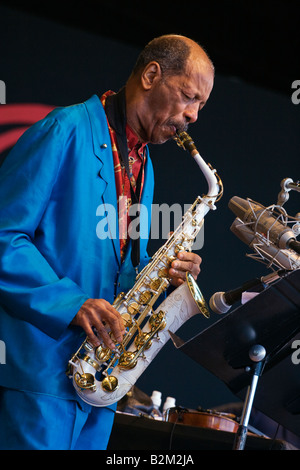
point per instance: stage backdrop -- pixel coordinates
(250, 135)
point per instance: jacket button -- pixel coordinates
(104, 146)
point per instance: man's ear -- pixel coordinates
(150, 75)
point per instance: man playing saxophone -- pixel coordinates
(57, 278)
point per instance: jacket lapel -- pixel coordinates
(103, 151)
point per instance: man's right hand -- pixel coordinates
(100, 315)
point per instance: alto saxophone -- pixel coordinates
(102, 376)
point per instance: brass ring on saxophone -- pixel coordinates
(197, 295)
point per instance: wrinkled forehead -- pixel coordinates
(199, 73)
(199, 64)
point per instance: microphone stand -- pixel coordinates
(257, 355)
(227, 350)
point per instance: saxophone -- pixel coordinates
(102, 376)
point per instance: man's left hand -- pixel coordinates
(186, 261)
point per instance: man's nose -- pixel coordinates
(191, 112)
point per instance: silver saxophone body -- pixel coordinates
(102, 376)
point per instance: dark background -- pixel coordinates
(62, 53)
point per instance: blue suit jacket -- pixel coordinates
(52, 257)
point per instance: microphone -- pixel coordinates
(221, 302)
(283, 259)
(264, 222)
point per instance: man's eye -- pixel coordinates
(187, 97)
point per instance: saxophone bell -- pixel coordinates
(197, 295)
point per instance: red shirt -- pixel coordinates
(136, 157)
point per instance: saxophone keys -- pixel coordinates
(88, 346)
(145, 297)
(127, 320)
(163, 272)
(103, 354)
(157, 321)
(110, 383)
(143, 340)
(89, 360)
(179, 248)
(118, 299)
(155, 284)
(85, 381)
(127, 360)
(133, 308)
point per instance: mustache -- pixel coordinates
(180, 127)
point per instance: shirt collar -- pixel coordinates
(133, 140)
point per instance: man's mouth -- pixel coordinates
(173, 129)
(176, 129)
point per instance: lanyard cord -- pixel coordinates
(115, 108)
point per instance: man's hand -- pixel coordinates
(100, 315)
(186, 261)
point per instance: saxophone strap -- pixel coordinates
(115, 108)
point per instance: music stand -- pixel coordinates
(250, 350)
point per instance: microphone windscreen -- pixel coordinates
(217, 303)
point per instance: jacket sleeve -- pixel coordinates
(29, 288)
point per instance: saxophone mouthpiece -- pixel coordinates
(184, 140)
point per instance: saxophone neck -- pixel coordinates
(215, 185)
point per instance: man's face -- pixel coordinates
(174, 101)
